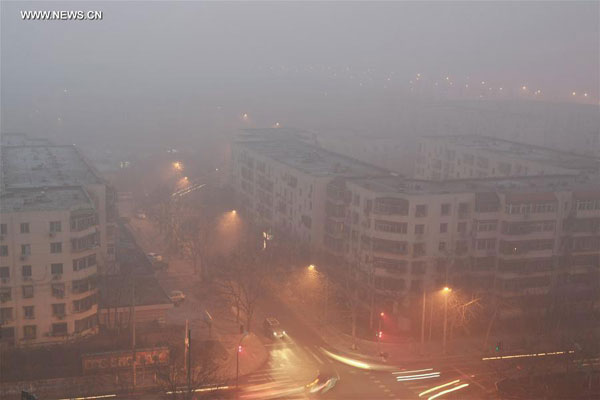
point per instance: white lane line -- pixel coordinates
(382, 386)
(376, 381)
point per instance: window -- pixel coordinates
(58, 290)
(462, 227)
(26, 271)
(442, 246)
(24, 227)
(421, 210)
(59, 329)
(419, 229)
(56, 269)
(25, 249)
(55, 226)
(443, 228)
(28, 312)
(5, 295)
(486, 244)
(56, 247)
(487, 226)
(58, 310)
(29, 331)
(85, 323)
(4, 251)
(6, 315)
(3, 229)
(445, 209)
(419, 249)
(463, 209)
(4, 272)
(394, 227)
(27, 291)
(85, 303)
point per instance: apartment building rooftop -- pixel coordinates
(310, 159)
(521, 151)
(44, 165)
(396, 184)
(21, 200)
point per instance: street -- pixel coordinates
(296, 360)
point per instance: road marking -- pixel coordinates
(376, 381)
(386, 390)
(382, 386)
(468, 377)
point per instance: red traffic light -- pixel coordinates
(382, 314)
(379, 334)
(239, 348)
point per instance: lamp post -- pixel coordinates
(423, 320)
(446, 292)
(237, 360)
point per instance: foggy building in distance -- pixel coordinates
(474, 156)
(57, 234)
(533, 242)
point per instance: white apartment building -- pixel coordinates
(56, 235)
(474, 156)
(281, 182)
(525, 240)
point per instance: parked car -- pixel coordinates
(177, 297)
(140, 215)
(273, 328)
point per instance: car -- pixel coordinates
(155, 257)
(140, 215)
(177, 297)
(323, 383)
(273, 328)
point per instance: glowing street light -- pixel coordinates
(574, 94)
(178, 165)
(233, 212)
(311, 267)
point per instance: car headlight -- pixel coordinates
(284, 332)
(274, 333)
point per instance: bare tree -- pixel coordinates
(242, 281)
(172, 377)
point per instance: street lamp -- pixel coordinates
(446, 292)
(237, 360)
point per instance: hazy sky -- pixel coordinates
(156, 66)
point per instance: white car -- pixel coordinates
(155, 257)
(177, 297)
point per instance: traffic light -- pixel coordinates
(240, 348)
(498, 346)
(379, 334)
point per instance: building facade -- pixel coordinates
(281, 184)
(57, 232)
(532, 243)
(473, 156)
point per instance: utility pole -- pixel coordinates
(186, 343)
(133, 330)
(445, 321)
(189, 361)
